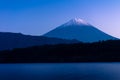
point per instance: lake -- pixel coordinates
(60, 71)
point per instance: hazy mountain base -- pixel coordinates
(103, 51)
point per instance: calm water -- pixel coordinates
(65, 71)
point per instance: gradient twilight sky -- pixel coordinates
(36, 17)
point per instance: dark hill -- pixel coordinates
(18, 40)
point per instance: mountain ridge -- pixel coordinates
(10, 40)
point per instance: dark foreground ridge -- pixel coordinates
(10, 40)
(103, 51)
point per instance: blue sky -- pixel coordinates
(36, 17)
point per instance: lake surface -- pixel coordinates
(62, 71)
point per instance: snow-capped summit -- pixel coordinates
(76, 21)
(80, 30)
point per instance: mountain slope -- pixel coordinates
(17, 40)
(80, 30)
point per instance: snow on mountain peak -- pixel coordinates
(76, 21)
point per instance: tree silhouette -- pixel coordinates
(102, 51)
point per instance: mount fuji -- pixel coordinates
(80, 30)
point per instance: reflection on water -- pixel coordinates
(63, 71)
